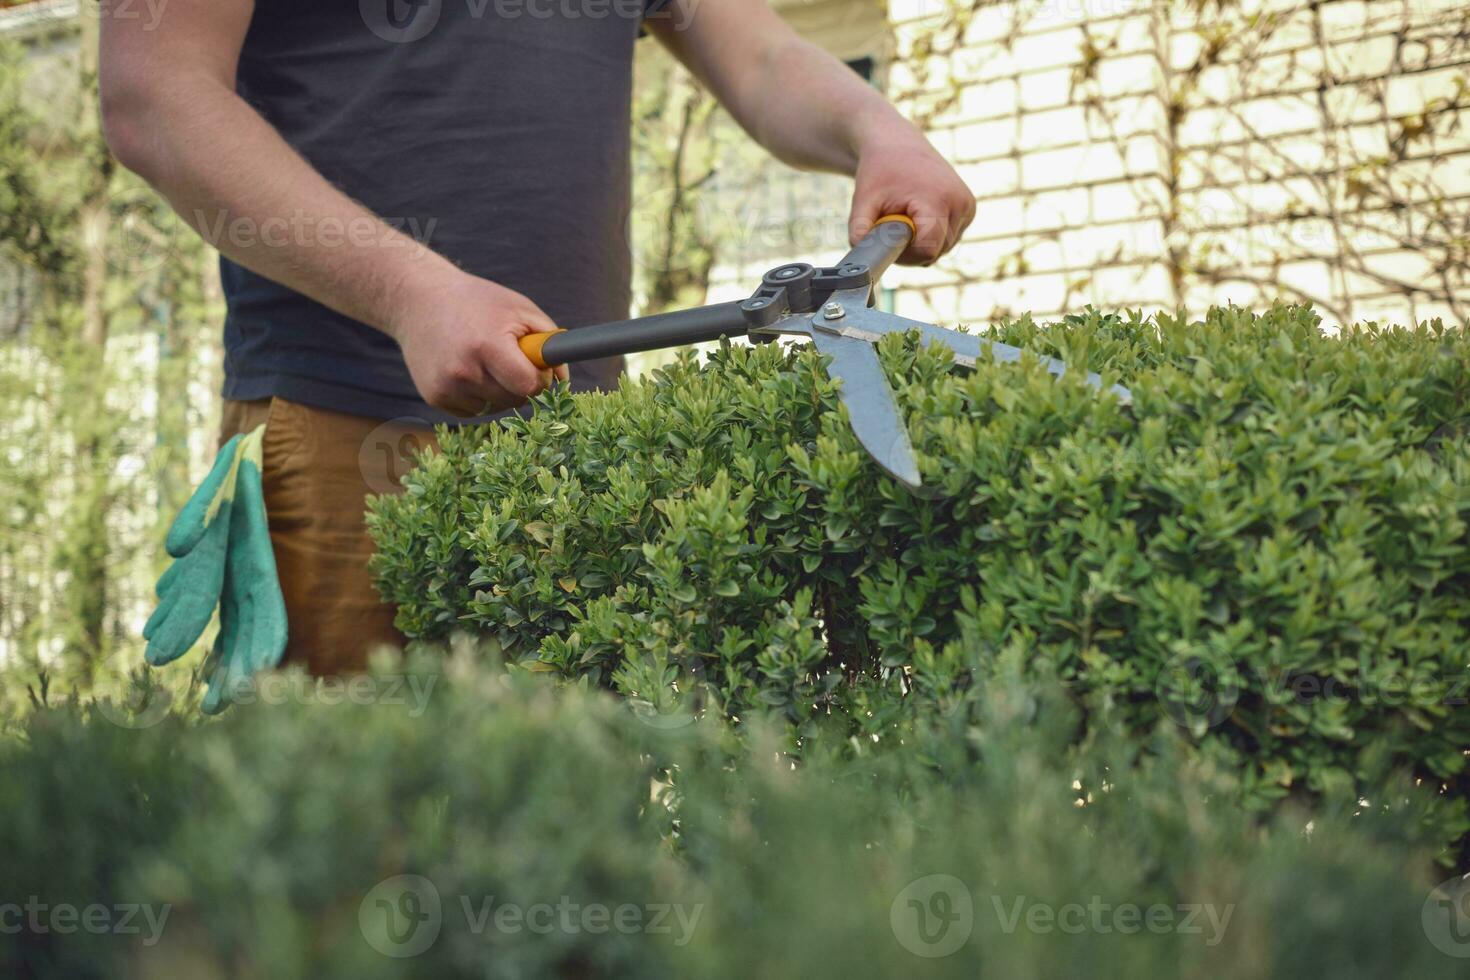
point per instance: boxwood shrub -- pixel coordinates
(1266, 550)
(504, 829)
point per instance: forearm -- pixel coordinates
(170, 113)
(799, 102)
(231, 177)
(814, 112)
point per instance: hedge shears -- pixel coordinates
(828, 305)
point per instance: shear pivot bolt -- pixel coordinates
(834, 311)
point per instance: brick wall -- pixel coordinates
(1129, 153)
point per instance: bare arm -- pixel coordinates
(812, 111)
(171, 114)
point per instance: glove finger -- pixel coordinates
(200, 509)
(167, 581)
(268, 637)
(175, 633)
(188, 593)
(215, 666)
(167, 599)
(253, 565)
(217, 694)
(230, 675)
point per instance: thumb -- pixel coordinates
(864, 215)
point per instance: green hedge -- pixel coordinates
(272, 843)
(1267, 549)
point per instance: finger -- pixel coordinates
(509, 367)
(223, 665)
(501, 360)
(236, 677)
(535, 318)
(958, 228)
(488, 398)
(191, 523)
(864, 214)
(541, 324)
(175, 634)
(270, 641)
(971, 209)
(214, 669)
(930, 233)
(543, 378)
(466, 405)
(165, 584)
(160, 615)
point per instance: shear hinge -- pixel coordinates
(800, 288)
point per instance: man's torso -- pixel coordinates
(495, 131)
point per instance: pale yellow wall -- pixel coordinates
(1074, 199)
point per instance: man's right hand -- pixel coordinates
(172, 114)
(460, 342)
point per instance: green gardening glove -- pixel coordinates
(252, 634)
(198, 541)
(222, 550)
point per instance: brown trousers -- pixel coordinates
(318, 468)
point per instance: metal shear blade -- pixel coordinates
(845, 330)
(870, 405)
(864, 323)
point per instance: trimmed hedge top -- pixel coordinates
(1268, 549)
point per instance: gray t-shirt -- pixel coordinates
(496, 131)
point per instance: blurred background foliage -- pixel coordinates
(110, 347)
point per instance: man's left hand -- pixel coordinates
(907, 176)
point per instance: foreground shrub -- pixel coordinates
(1268, 548)
(274, 842)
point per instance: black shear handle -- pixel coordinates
(656, 332)
(886, 242)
